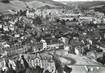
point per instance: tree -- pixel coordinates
(102, 9)
(37, 20)
(5, 1)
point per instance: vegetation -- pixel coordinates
(5, 1)
(100, 9)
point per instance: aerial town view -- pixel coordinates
(52, 36)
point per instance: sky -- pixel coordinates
(78, 0)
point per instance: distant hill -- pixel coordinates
(96, 5)
(14, 5)
(21, 4)
(47, 1)
(38, 4)
(87, 4)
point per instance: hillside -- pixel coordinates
(20, 4)
(37, 4)
(86, 4)
(14, 5)
(100, 9)
(47, 1)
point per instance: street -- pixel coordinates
(79, 63)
